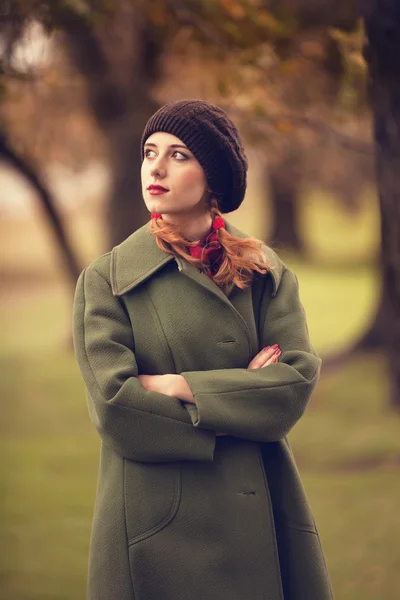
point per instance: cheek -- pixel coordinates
(144, 175)
(192, 178)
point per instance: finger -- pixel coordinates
(272, 360)
(264, 354)
(256, 362)
(261, 357)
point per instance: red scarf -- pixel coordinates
(208, 249)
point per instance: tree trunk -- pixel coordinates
(382, 21)
(126, 208)
(119, 59)
(284, 179)
(374, 338)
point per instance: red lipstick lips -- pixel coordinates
(156, 190)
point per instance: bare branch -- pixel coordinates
(187, 17)
(343, 139)
(20, 164)
(274, 120)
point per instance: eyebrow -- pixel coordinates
(171, 146)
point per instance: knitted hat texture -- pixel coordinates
(211, 135)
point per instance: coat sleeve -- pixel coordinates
(138, 424)
(262, 404)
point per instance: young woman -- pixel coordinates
(194, 349)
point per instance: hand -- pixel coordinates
(158, 383)
(267, 356)
(170, 384)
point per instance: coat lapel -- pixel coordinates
(138, 257)
(134, 260)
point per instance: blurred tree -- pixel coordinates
(20, 164)
(285, 176)
(116, 58)
(12, 152)
(382, 47)
(302, 69)
(382, 21)
(115, 50)
(119, 48)
(314, 72)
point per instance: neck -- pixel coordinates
(190, 228)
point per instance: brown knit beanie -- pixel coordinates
(213, 138)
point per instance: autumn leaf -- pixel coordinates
(283, 126)
(234, 9)
(157, 14)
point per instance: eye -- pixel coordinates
(146, 152)
(183, 156)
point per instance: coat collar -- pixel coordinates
(138, 257)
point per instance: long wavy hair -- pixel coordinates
(242, 258)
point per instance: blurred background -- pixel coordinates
(314, 88)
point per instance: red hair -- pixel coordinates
(241, 258)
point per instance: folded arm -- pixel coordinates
(138, 424)
(262, 404)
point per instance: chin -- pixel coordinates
(153, 206)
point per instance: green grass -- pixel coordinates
(347, 426)
(50, 473)
(357, 517)
(339, 303)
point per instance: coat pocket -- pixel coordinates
(152, 494)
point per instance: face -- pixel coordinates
(170, 164)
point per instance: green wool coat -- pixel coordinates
(180, 513)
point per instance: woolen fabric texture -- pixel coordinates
(180, 512)
(211, 135)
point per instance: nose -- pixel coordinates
(158, 168)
